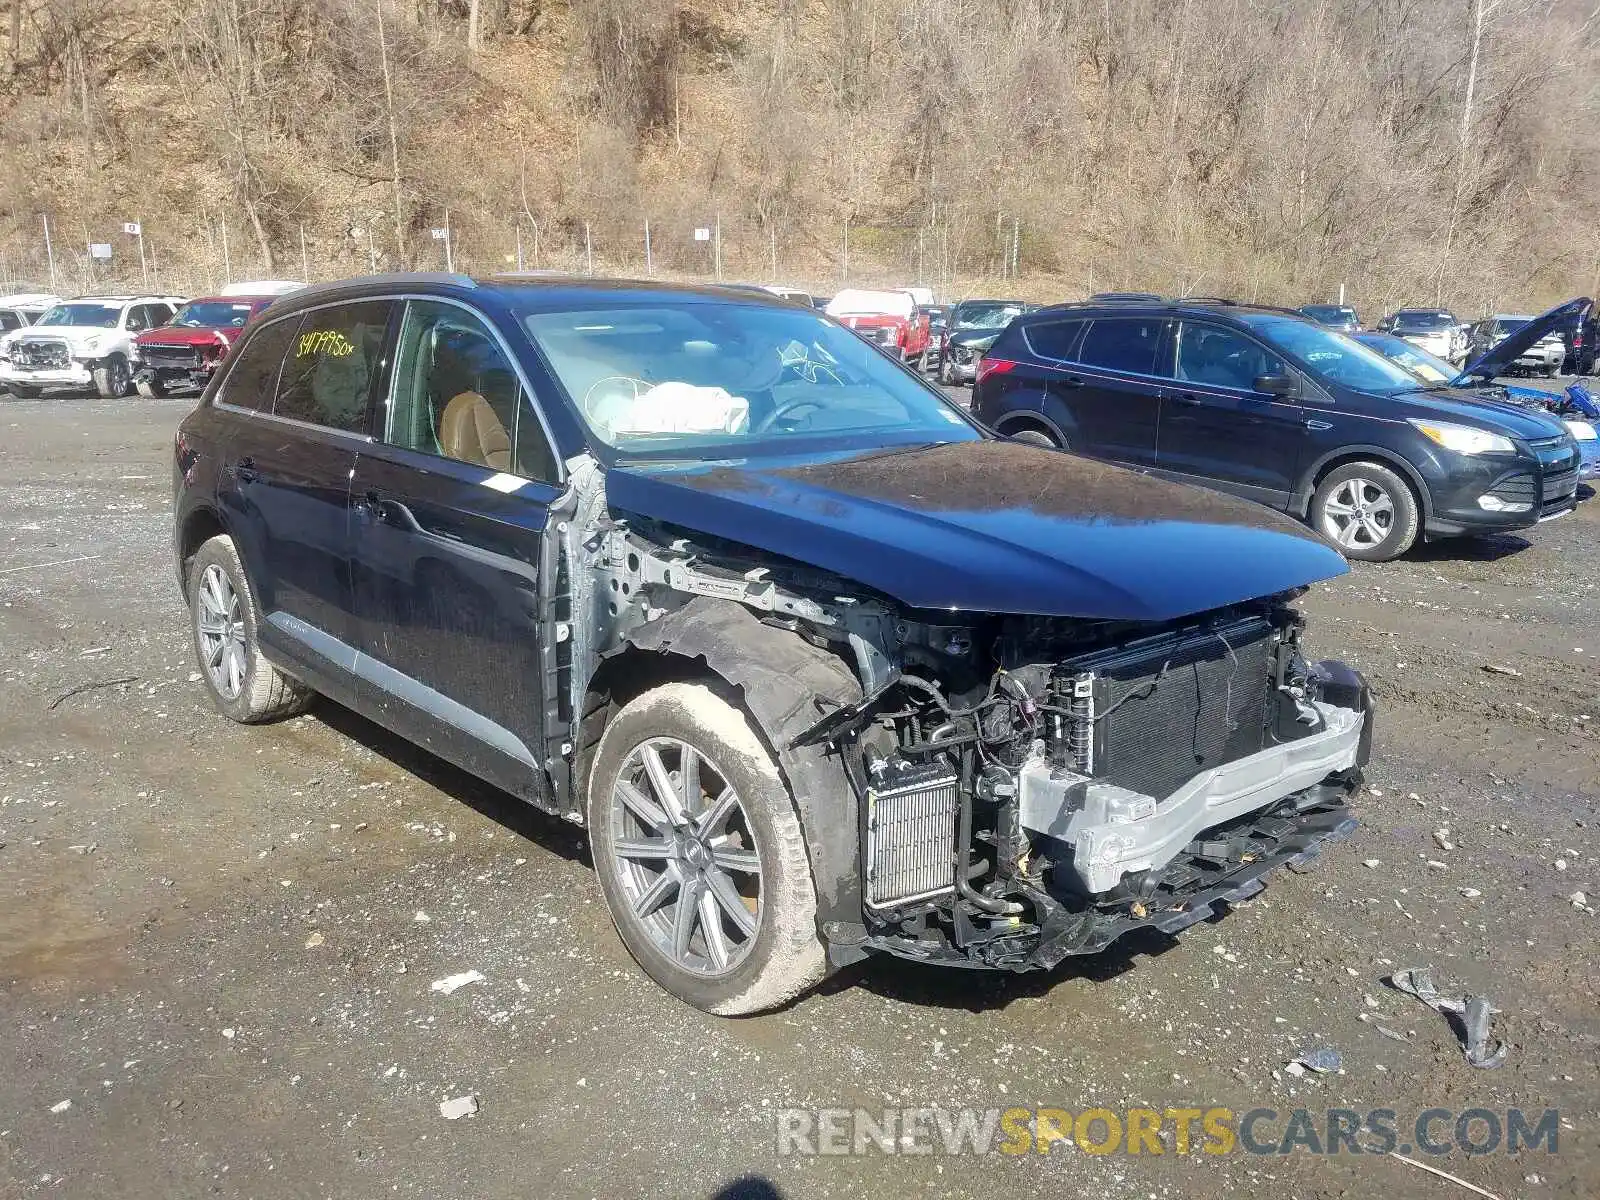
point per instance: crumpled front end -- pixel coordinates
(1086, 791)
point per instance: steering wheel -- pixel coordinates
(782, 408)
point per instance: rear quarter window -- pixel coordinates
(1054, 339)
(253, 379)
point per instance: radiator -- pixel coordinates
(1152, 715)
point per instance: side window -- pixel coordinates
(1223, 358)
(9, 320)
(253, 379)
(160, 314)
(134, 319)
(456, 395)
(1053, 339)
(335, 356)
(1123, 344)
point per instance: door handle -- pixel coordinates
(1071, 381)
(1187, 398)
(245, 469)
(1318, 426)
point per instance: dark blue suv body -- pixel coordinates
(1268, 405)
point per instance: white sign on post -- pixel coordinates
(99, 249)
(131, 228)
(440, 235)
(702, 235)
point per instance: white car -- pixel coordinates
(1433, 330)
(22, 309)
(82, 343)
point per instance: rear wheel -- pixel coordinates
(112, 378)
(1366, 510)
(223, 618)
(1035, 437)
(25, 391)
(700, 854)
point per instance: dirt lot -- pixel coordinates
(217, 943)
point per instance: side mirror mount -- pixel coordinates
(1281, 386)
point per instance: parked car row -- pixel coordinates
(113, 345)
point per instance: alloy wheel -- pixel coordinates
(1358, 514)
(683, 848)
(219, 623)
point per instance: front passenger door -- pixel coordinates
(447, 517)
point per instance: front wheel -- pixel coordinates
(700, 854)
(1366, 510)
(112, 378)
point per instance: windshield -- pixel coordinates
(1426, 367)
(1330, 314)
(213, 314)
(707, 378)
(98, 316)
(986, 316)
(1332, 355)
(1422, 322)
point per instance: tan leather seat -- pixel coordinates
(471, 432)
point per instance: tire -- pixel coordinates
(922, 362)
(944, 373)
(766, 958)
(1035, 437)
(24, 391)
(243, 685)
(151, 389)
(1366, 510)
(112, 379)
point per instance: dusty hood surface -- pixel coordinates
(990, 526)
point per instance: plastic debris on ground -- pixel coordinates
(1470, 1013)
(451, 983)
(460, 1106)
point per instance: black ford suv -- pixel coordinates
(826, 668)
(1268, 405)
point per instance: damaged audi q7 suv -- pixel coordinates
(826, 668)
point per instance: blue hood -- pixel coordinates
(989, 527)
(1505, 352)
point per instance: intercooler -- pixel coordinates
(911, 834)
(1151, 715)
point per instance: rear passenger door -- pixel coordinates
(308, 382)
(1109, 394)
(448, 510)
(1217, 429)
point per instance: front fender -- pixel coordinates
(785, 684)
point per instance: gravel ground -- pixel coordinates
(217, 943)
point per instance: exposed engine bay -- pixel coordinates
(1023, 788)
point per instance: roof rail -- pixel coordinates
(1224, 300)
(392, 279)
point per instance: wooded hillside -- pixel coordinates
(1415, 150)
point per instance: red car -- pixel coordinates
(182, 354)
(890, 320)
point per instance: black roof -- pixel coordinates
(1193, 305)
(552, 288)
